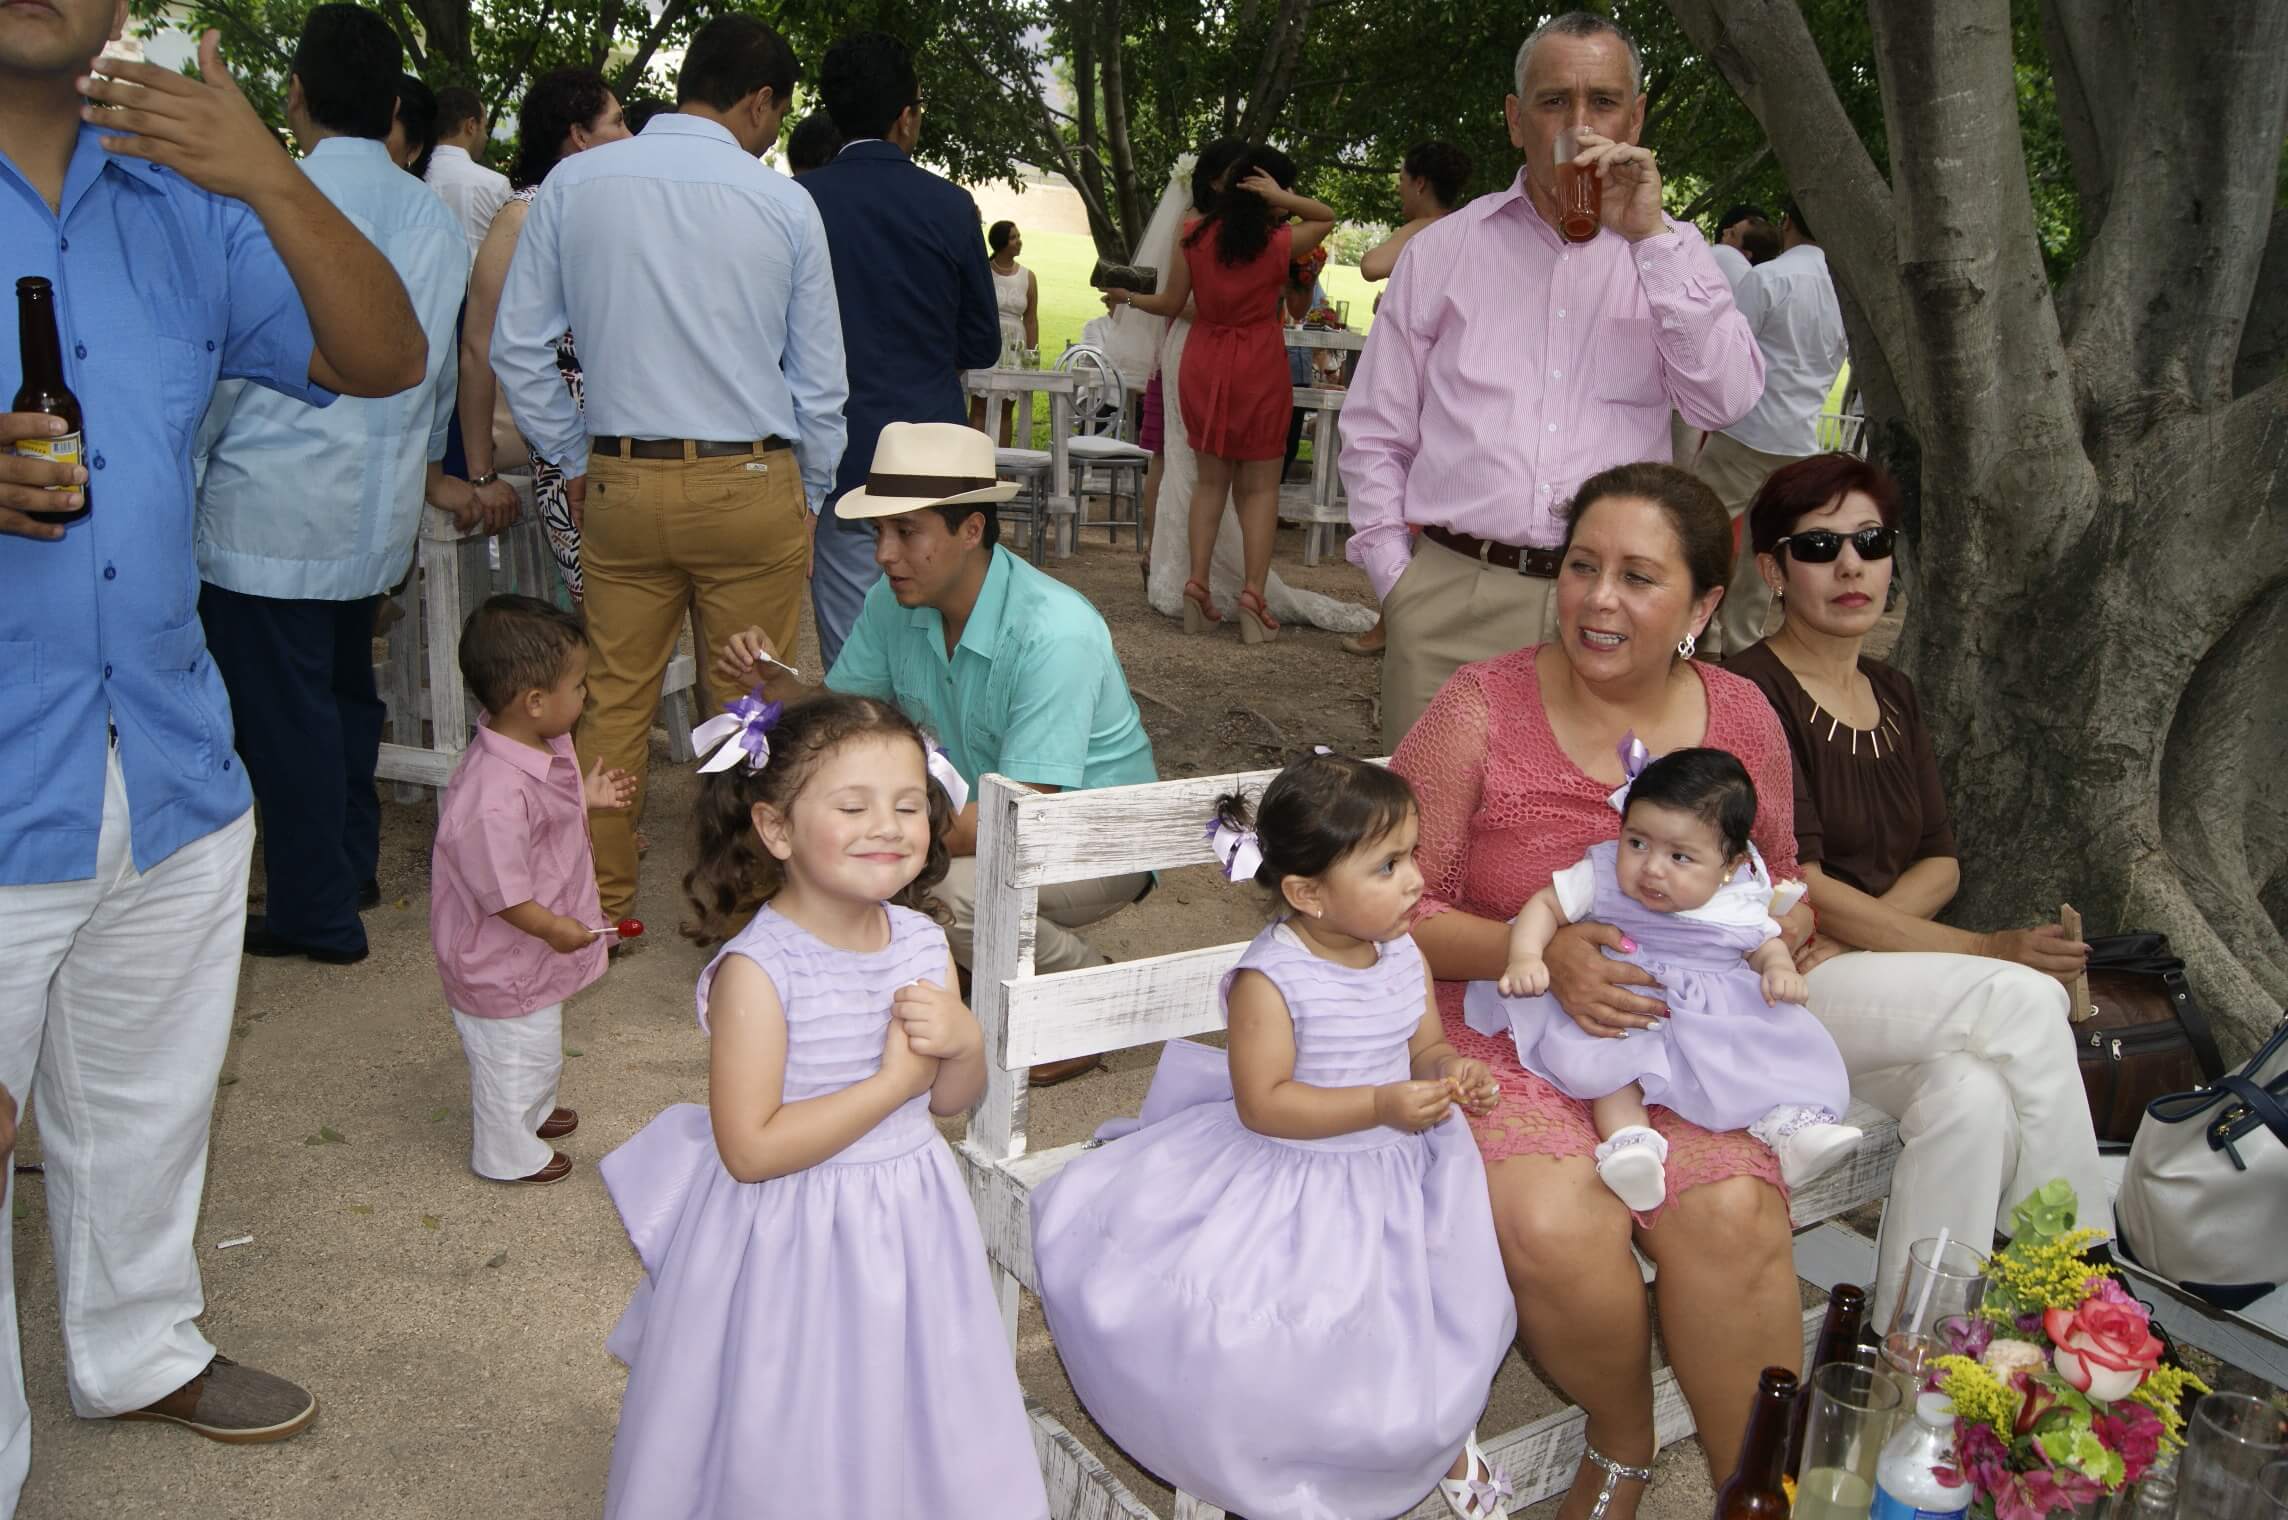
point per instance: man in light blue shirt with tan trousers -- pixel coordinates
(699, 284)
(307, 515)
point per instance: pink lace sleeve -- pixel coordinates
(1444, 756)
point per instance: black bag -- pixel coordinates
(2144, 1036)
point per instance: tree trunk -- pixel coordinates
(2101, 536)
(1125, 196)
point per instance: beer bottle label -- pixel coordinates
(64, 451)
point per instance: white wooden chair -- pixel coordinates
(1029, 840)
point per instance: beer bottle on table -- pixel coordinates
(1755, 1491)
(44, 390)
(1839, 1337)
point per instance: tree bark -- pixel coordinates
(2098, 627)
(1126, 196)
(1276, 75)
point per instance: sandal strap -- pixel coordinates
(1618, 1472)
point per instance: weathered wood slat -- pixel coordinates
(1080, 1487)
(1113, 830)
(1115, 1007)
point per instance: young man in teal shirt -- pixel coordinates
(1011, 670)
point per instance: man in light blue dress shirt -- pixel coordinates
(307, 515)
(189, 251)
(699, 284)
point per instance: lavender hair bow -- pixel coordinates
(1239, 850)
(1634, 758)
(747, 724)
(956, 786)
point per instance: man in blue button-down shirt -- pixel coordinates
(183, 246)
(307, 515)
(700, 289)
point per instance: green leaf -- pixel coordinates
(429, 1221)
(361, 1208)
(20, 1210)
(439, 1115)
(2048, 1213)
(330, 1136)
(573, 1050)
(498, 1261)
(226, 1080)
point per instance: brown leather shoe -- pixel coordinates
(234, 1404)
(559, 1123)
(1050, 1073)
(559, 1167)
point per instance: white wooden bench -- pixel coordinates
(1028, 840)
(1320, 506)
(430, 714)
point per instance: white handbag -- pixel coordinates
(2204, 1201)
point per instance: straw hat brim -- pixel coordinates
(861, 503)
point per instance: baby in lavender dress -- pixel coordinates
(815, 1335)
(1282, 1292)
(1738, 1049)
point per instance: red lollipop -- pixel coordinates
(629, 928)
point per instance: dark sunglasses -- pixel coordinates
(1820, 547)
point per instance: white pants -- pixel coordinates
(514, 1065)
(1063, 908)
(115, 1010)
(1975, 1059)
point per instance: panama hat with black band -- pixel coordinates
(926, 464)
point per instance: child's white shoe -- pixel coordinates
(1482, 1492)
(1807, 1141)
(1633, 1162)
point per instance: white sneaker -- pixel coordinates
(1633, 1163)
(1814, 1149)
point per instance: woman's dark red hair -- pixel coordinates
(1795, 491)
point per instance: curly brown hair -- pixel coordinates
(735, 875)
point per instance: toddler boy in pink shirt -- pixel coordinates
(513, 910)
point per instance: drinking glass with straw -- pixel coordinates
(1945, 1283)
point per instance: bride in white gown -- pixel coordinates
(1135, 339)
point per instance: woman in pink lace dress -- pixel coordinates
(1513, 763)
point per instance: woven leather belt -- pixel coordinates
(615, 447)
(1524, 560)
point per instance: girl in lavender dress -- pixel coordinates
(1694, 903)
(1282, 1292)
(815, 1334)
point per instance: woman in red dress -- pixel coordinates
(1235, 391)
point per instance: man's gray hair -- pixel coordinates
(1583, 24)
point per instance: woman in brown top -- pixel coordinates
(1962, 1036)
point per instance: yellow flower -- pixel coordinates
(2029, 1278)
(1979, 1396)
(2163, 1392)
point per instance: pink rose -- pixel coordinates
(2105, 1347)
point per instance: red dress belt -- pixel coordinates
(1525, 560)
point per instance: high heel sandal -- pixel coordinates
(1256, 624)
(1616, 1473)
(1482, 1492)
(1199, 613)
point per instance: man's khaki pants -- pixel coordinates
(1736, 473)
(1446, 611)
(726, 539)
(1072, 905)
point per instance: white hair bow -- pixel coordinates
(1239, 850)
(747, 724)
(941, 767)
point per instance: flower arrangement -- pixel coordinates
(2059, 1390)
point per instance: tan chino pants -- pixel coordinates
(726, 539)
(1736, 473)
(1446, 611)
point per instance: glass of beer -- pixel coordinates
(1580, 194)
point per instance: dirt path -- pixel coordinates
(453, 1329)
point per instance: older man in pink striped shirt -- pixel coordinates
(1506, 366)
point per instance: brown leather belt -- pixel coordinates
(1525, 561)
(615, 447)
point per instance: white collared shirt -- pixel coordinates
(1790, 304)
(472, 192)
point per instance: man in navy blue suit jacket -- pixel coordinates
(916, 293)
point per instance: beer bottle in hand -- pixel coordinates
(1839, 1337)
(1754, 1491)
(44, 390)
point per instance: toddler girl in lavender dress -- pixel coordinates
(1282, 1292)
(1738, 1050)
(815, 1334)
